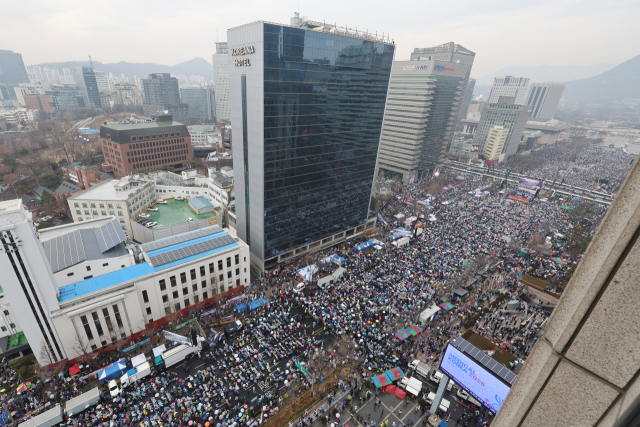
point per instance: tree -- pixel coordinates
(35, 167)
(10, 161)
(60, 135)
(81, 347)
(11, 178)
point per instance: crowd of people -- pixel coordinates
(473, 242)
(590, 168)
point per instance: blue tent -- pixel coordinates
(114, 371)
(257, 303)
(337, 259)
(364, 246)
(241, 307)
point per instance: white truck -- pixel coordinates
(437, 377)
(411, 385)
(82, 402)
(140, 371)
(179, 353)
(444, 403)
(420, 369)
(47, 419)
(462, 394)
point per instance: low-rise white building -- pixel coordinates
(18, 115)
(98, 246)
(66, 322)
(124, 198)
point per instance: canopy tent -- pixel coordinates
(366, 245)
(381, 380)
(395, 390)
(23, 387)
(308, 272)
(395, 373)
(413, 329)
(447, 306)
(138, 360)
(402, 232)
(428, 314)
(460, 292)
(157, 351)
(337, 259)
(257, 303)
(113, 371)
(402, 335)
(75, 369)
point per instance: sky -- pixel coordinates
(503, 33)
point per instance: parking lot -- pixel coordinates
(174, 212)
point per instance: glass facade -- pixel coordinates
(324, 99)
(12, 72)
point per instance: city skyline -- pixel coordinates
(470, 24)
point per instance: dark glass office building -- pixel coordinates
(307, 107)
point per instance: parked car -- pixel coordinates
(299, 288)
(150, 224)
(189, 219)
(162, 202)
(144, 215)
(153, 209)
(179, 198)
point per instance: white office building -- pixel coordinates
(123, 199)
(104, 83)
(544, 99)
(509, 86)
(221, 81)
(71, 320)
(24, 89)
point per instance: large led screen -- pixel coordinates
(477, 380)
(529, 183)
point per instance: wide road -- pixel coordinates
(563, 189)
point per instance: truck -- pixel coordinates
(82, 402)
(462, 394)
(437, 377)
(420, 369)
(179, 353)
(140, 371)
(444, 403)
(47, 419)
(411, 385)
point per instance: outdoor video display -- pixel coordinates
(529, 183)
(477, 380)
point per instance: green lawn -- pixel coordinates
(175, 212)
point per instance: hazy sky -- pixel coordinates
(502, 32)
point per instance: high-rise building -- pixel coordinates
(452, 53)
(88, 86)
(128, 94)
(544, 99)
(504, 113)
(496, 138)
(67, 97)
(12, 71)
(466, 101)
(200, 102)
(509, 86)
(307, 104)
(162, 93)
(104, 84)
(221, 81)
(422, 111)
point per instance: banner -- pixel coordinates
(520, 199)
(124, 350)
(184, 324)
(227, 318)
(177, 338)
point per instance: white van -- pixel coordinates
(444, 403)
(437, 377)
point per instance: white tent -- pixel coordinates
(138, 360)
(308, 272)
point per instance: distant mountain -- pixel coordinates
(623, 81)
(193, 67)
(547, 73)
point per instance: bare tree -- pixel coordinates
(81, 347)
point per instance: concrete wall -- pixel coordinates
(97, 268)
(584, 369)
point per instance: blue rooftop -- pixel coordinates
(102, 282)
(199, 203)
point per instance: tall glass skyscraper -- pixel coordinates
(12, 72)
(307, 106)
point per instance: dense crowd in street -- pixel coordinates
(589, 168)
(485, 237)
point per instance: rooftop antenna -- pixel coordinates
(90, 61)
